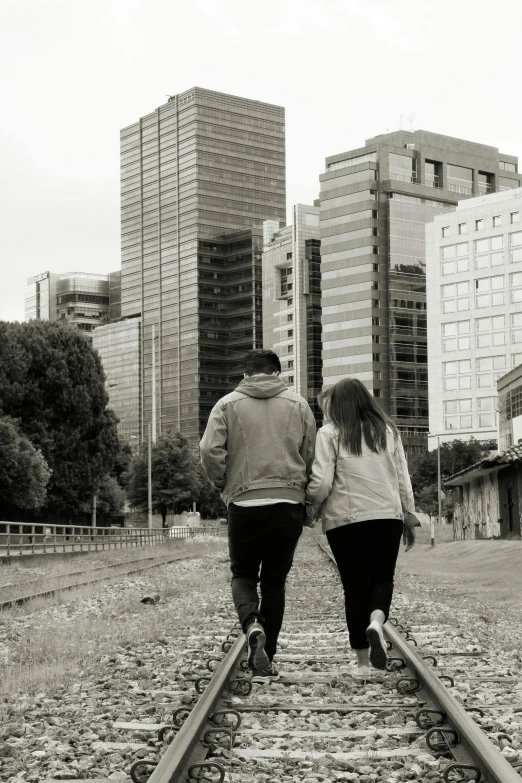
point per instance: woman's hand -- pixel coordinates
(311, 516)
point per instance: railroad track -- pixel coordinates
(93, 576)
(426, 720)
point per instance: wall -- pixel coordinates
(476, 512)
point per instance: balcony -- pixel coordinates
(467, 191)
(403, 177)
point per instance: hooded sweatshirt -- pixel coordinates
(259, 442)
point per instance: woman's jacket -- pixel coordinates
(345, 488)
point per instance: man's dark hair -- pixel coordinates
(262, 360)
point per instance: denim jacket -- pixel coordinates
(259, 442)
(345, 488)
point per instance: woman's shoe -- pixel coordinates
(360, 672)
(378, 649)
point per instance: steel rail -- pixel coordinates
(471, 736)
(22, 599)
(176, 759)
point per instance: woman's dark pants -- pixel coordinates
(366, 553)
(262, 542)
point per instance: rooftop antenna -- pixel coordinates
(401, 121)
(411, 117)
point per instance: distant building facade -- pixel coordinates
(292, 300)
(509, 389)
(199, 175)
(118, 345)
(474, 281)
(79, 298)
(375, 203)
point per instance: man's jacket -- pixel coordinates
(259, 442)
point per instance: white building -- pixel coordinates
(474, 306)
(292, 300)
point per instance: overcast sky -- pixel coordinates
(73, 72)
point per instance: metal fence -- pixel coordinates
(21, 539)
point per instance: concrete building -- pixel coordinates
(375, 203)
(79, 298)
(118, 345)
(509, 390)
(199, 175)
(474, 280)
(292, 300)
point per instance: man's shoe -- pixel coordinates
(256, 640)
(378, 650)
(269, 674)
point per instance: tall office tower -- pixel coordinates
(118, 345)
(292, 300)
(199, 176)
(474, 280)
(375, 203)
(79, 298)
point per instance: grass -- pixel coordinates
(49, 649)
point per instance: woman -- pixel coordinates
(361, 489)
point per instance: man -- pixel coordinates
(258, 450)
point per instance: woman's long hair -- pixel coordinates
(354, 412)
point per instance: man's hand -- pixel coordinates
(310, 517)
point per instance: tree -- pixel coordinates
(121, 462)
(175, 479)
(454, 457)
(52, 383)
(24, 473)
(427, 500)
(209, 500)
(110, 498)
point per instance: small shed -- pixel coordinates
(487, 497)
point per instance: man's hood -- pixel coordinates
(262, 386)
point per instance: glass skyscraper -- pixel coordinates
(199, 175)
(375, 203)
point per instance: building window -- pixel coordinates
(515, 241)
(516, 327)
(455, 258)
(460, 179)
(489, 291)
(290, 348)
(516, 286)
(457, 414)
(285, 281)
(463, 228)
(486, 411)
(288, 256)
(290, 364)
(290, 379)
(489, 368)
(376, 392)
(376, 357)
(485, 183)
(456, 336)
(432, 173)
(402, 167)
(491, 331)
(290, 317)
(507, 166)
(516, 359)
(489, 252)
(445, 231)
(505, 183)
(457, 375)
(455, 297)
(497, 221)
(289, 302)
(376, 321)
(514, 217)
(290, 333)
(479, 225)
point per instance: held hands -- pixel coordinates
(310, 516)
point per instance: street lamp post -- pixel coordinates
(439, 490)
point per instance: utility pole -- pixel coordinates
(149, 486)
(439, 493)
(153, 383)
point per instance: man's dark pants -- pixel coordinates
(262, 542)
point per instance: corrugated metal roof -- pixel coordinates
(513, 454)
